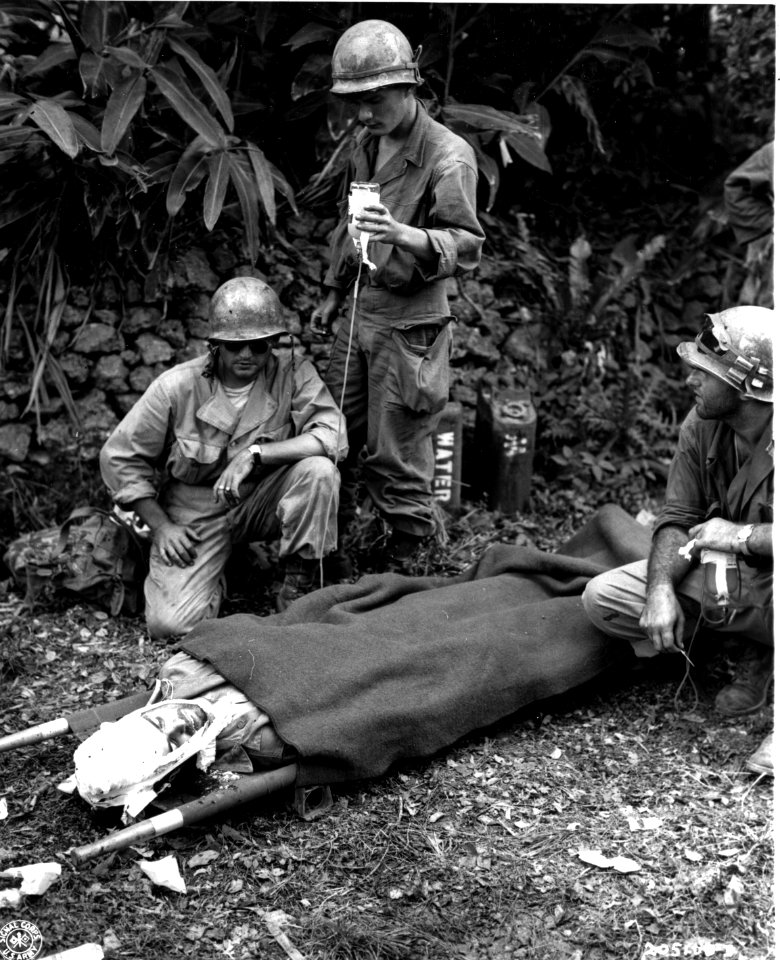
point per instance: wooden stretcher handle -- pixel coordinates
(36, 734)
(252, 786)
(90, 719)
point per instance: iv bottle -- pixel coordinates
(361, 195)
(722, 586)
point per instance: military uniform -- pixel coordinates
(396, 380)
(173, 446)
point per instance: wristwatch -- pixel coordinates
(257, 453)
(743, 535)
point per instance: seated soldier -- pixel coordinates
(718, 511)
(236, 446)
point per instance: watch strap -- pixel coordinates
(743, 535)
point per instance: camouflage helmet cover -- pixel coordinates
(736, 347)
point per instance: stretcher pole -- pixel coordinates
(36, 734)
(85, 721)
(252, 786)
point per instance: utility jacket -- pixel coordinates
(184, 428)
(704, 482)
(430, 183)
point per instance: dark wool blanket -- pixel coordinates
(357, 676)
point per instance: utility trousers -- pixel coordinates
(297, 503)
(614, 602)
(394, 379)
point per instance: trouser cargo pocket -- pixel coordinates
(422, 366)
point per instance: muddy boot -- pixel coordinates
(747, 691)
(300, 577)
(763, 760)
(400, 551)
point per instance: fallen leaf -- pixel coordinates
(111, 941)
(597, 859)
(732, 896)
(36, 877)
(10, 898)
(693, 856)
(164, 873)
(693, 718)
(593, 857)
(625, 865)
(202, 859)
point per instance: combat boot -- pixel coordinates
(400, 551)
(763, 760)
(300, 577)
(752, 676)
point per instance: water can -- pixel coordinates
(448, 457)
(505, 437)
(361, 195)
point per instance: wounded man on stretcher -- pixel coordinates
(129, 761)
(353, 678)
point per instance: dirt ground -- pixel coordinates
(483, 852)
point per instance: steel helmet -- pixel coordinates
(371, 54)
(736, 347)
(245, 308)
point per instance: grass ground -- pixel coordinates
(478, 854)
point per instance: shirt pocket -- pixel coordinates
(195, 460)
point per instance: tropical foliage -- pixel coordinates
(130, 131)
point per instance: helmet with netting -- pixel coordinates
(736, 347)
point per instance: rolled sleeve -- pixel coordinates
(685, 504)
(129, 457)
(315, 411)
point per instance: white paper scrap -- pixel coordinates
(164, 873)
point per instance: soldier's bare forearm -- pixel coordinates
(150, 511)
(666, 568)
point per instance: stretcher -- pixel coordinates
(355, 678)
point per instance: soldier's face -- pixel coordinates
(384, 111)
(240, 361)
(715, 400)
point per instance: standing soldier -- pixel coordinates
(392, 363)
(235, 446)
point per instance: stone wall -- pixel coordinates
(110, 352)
